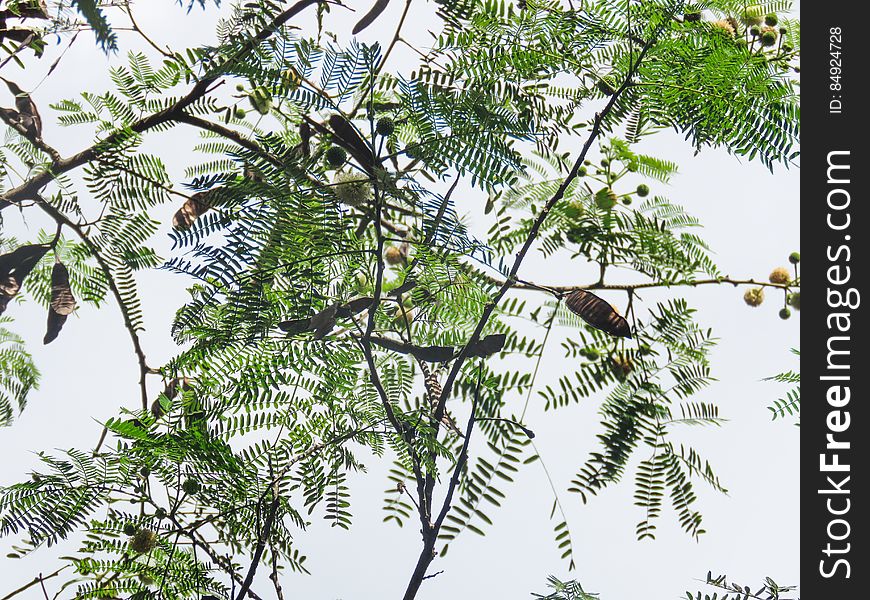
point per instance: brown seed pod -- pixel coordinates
(15, 267)
(53, 326)
(62, 300)
(191, 210)
(370, 16)
(598, 313)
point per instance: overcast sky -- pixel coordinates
(752, 223)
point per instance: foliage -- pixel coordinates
(338, 298)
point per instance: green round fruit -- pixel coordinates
(130, 529)
(261, 100)
(605, 162)
(783, 31)
(581, 172)
(771, 20)
(626, 200)
(784, 314)
(385, 126)
(336, 156)
(794, 258)
(754, 31)
(593, 354)
(239, 112)
(768, 38)
(794, 300)
(191, 486)
(160, 513)
(144, 471)
(240, 87)
(642, 190)
(605, 198)
(574, 210)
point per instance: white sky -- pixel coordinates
(752, 222)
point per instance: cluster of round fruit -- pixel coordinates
(759, 29)
(781, 276)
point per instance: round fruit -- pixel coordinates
(143, 541)
(794, 258)
(574, 210)
(593, 354)
(768, 38)
(626, 200)
(393, 255)
(605, 162)
(239, 112)
(642, 190)
(130, 529)
(605, 198)
(780, 275)
(160, 513)
(581, 172)
(191, 486)
(754, 32)
(754, 296)
(794, 300)
(784, 314)
(351, 189)
(751, 19)
(261, 100)
(771, 20)
(240, 87)
(783, 31)
(385, 126)
(336, 156)
(144, 471)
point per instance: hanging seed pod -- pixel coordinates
(28, 115)
(346, 136)
(15, 267)
(370, 16)
(598, 313)
(191, 210)
(53, 326)
(62, 302)
(305, 138)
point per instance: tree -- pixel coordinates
(339, 300)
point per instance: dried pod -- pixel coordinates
(15, 267)
(598, 313)
(346, 136)
(62, 300)
(191, 210)
(370, 16)
(28, 115)
(53, 326)
(295, 326)
(323, 322)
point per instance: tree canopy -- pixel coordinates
(341, 307)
